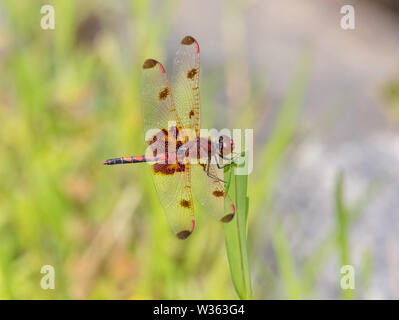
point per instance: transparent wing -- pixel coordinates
(210, 192)
(185, 83)
(158, 104)
(172, 181)
(173, 185)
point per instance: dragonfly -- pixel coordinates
(175, 175)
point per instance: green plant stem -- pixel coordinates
(236, 235)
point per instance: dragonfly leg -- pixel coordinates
(221, 166)
(211, 175)
(237, 155)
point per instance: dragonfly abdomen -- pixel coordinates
(134, 159)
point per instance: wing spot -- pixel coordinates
(227, 217)
(218, 193)
(149, 63)
(185, 203)
(191, 114)
(164, 93)
(168, 169)
(187, 40)
(183, 234)
(191, 74)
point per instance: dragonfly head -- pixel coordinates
(226, 145)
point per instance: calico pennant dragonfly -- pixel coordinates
(171, 152)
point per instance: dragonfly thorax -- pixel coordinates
(226, 145)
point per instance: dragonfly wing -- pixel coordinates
(158, 103)
(173, 185)
(172, 180)
(185, 86)
(185, 83)
(210, 192)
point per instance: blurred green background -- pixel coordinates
(70, 98)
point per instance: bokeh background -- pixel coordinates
(324, 106)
